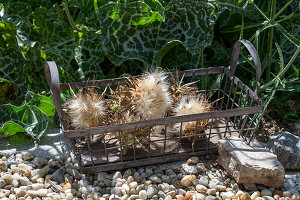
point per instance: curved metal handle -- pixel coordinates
(255, 58)
(52, 77)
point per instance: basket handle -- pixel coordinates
(255, 58)
(52, 77)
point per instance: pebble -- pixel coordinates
(73, 172)
(220, 188)
(168, 197)
(193, 161)
(133, 185)
(2, 183)
(201, 188)
(7, 178)
(166, 179)
(227, 195)
(69, 196)
(265, 192)
(198, 196)
(211, 192)
(37, 186)
(3, 165)
(213, 183)
(203, 181)
(250, 187)
(201, 167)
(254, 195)
(187, 180)
(245, 196)
(126, 188)
(189, 169)
(116, 175)
(38, 161)
(151, 191)
(287, 194)
(209, 197)
(239, 193)
(54, 164)
(59, 175)
(42, 192)
(127, 173)
(130, 179)
(143, 194)
(27, 156)
(66, 187)
(39, 173)
(155, 179)
(20, 193)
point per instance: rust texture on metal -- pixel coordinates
(234, 113)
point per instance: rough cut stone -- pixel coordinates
(287, 148)
(249, 165)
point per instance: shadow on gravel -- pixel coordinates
(51, 144)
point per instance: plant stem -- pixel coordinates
(202, 66)
(273, 19)
(283, 71)
(270, 42)
(71, 21)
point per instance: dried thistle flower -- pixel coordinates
(193, 105)
(179, 90)
(85, 109)
(150, 96)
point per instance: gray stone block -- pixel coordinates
(250, 165)
(287, 148)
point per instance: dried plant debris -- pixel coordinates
(85, 109)
(192, 105)
(178, 89)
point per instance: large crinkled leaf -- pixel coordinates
(52, 24)
(243, 8)
(89, 55)
(19, 14)
(12, 68)
(44, 103)
(188, 22)
(148, 10)
(25, 118)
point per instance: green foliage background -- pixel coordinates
(102, 39)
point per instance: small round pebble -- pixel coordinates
(143, 194)
(266, 192)
(193, 161)
(287, 194)
(245, 196)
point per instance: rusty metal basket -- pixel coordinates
(233, 114)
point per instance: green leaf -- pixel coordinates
(44, 103)
(143, 36)
(19, 14)
(51, 24)
(289, 36)
(28, 117)
(89, 55)
(11, 128)
(281, 63)
(12, 67)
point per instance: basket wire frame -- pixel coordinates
(232, 114)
